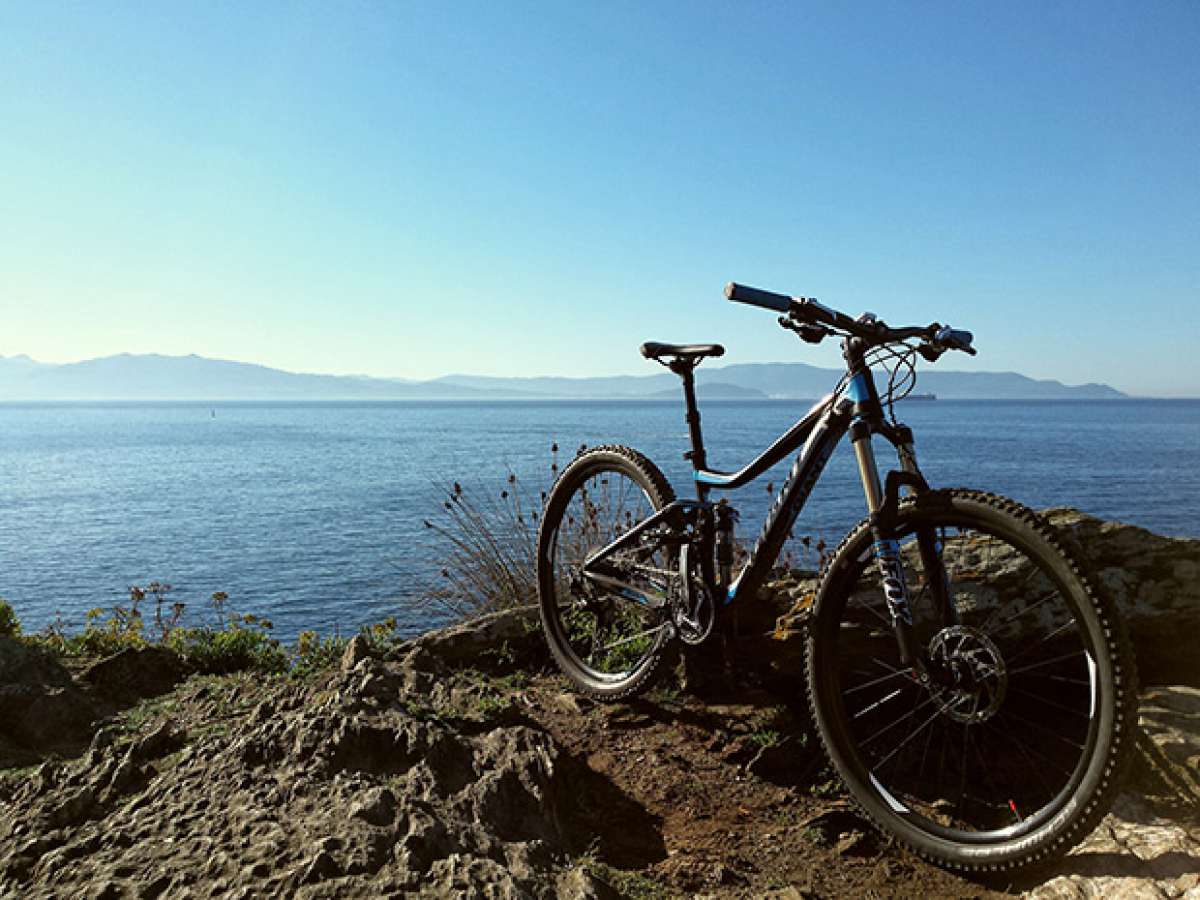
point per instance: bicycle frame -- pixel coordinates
(816, 435)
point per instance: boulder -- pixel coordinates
(499, 642)
(135, 673)
(41, 708)
(1155, 581)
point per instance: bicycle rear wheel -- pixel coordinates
(610, 644)
(1013, 752)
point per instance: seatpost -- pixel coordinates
(686, 371)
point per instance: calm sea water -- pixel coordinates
(311, 513)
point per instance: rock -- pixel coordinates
(22, 663)
(378, 808)
(74, 809)
(321, 867)
(787, 893)
(1155, 581)
(356, 651)
(499, 642)
(579, 884)
(163, 740)
(135, 673)
(41, 708)
(1137, 851)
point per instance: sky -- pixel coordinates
(415, 189)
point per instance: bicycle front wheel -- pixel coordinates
(1013, 749)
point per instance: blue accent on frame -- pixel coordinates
(730, 594)
(858, 388)
(707, 478)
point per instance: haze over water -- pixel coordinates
(311, 513)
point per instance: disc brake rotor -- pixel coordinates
(973, 680)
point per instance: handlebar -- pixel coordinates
(806, 310)
(739, 293)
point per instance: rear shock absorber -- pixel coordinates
(727, 518)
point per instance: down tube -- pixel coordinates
(807, 468)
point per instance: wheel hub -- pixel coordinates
(973, 678)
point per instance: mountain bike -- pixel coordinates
(970, 681)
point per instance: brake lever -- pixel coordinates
(809, 333)
(930, 352)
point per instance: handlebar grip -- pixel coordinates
(740, 293)
(956, 338)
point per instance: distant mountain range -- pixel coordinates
(154, 377)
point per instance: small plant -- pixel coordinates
(765, 737)
(10, 625)
(105, 632)
(665, 693)
(316, 654)
(242, 642)
(815, 835)
(827, 783)
(382, 634)
(489, 707)
(626, 883)
(164, 625)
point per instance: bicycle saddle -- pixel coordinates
(656, 350)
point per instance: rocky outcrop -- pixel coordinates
(384, 778)
(45, 709)
(1154, 580)
(1149, 845)
(1156, 583)
(41, 707)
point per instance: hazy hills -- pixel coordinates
(154, 377)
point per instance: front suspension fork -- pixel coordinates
(929, 543)
(887, 549)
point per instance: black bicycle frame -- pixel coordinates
(815, 435)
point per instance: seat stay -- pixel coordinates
(674, 515)
(670, 511)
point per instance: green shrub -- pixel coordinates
(10, 625)
(239, 643)
(232, 649)
(233, 643)
(105, 632)
(316, 654)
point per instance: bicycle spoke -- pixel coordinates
(1070, 623)
(903, 718)
(1046, 662)
(1043, 728)
(632, 638)
(1051, 703)
(878, 703)
(911, 735)
(893, 674)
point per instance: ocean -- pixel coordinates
(312, 513)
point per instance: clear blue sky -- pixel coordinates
(413, 189)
